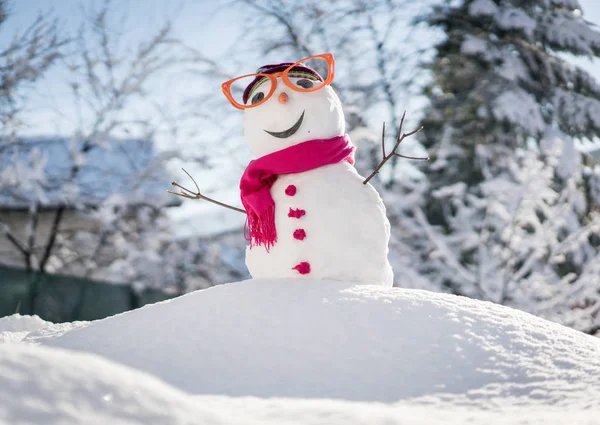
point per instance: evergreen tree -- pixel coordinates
(511, 212)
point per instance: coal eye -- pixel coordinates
(304, 83)
(257, 97)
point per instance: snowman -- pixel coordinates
(309, 213)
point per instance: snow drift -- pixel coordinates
(49, 386)
(41, 385)
(318, 339)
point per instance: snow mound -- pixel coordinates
(49, 386)
(16, 328)
(42, 385)
(18, 323)
(319, 339)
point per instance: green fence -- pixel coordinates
(66, 299)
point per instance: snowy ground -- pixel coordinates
(300, 352)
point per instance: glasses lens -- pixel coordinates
(250, 90)
(306, 79)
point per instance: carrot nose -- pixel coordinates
(283, 97)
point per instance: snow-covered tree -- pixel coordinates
(105, 78)
(104, 170)
(510, 211)
(24, 60)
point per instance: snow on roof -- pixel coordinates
(129, 168)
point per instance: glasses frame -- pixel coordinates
(226, 86)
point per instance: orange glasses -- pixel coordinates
(238, 85)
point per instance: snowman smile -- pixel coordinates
(290, 131)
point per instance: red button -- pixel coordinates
(290, 190)
(303, 268)
(299, 234)
(296, 213)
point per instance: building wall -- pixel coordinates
(18, 222)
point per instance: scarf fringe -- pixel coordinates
(261, 228)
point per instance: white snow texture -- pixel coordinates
(313, 352)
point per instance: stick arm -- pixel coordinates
(399, 138)
(189, 194)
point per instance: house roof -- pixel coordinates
(129, 168)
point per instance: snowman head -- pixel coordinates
(286, 104)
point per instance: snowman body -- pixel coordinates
(329, 224)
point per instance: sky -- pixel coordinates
(197, 21)
(202, 24)
(205, 25)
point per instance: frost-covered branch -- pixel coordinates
(23, 61)
(443, 250)
(106, 75)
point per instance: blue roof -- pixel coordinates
(127, 167)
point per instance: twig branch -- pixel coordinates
(52, 240)
(399, 138)
(31, 229)
(197, 195)
(383, 154)
(13, 239)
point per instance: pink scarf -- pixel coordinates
(261, 173)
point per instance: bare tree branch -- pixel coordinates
(14, 240)
(31, 230)
(52, 238)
